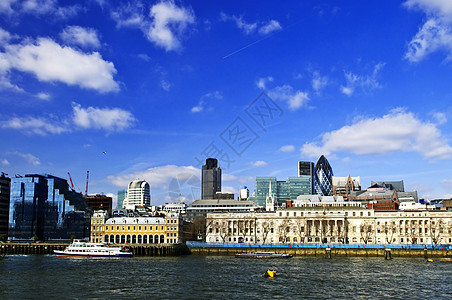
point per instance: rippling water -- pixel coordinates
(214, 277)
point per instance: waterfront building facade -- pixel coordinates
(137, 230)
(349, 225)
(200, 208)
(210, 179)
(138, 194)
(43, 207)
(323, 177)
(5, 183)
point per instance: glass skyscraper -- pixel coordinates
(211, 179)
(283, 190)
(323, 177)
(43, 206)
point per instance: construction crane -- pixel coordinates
(87, 177)
(72, 184)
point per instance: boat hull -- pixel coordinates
(263, 255)
(65, 254)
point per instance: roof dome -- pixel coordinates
(137, 183)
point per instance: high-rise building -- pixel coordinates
(5, 184)
(211, 179)
(43, 207)
(121, 197)
(138, 194)
(306, 170)
(323, 177)
(343, 186)
(99, 202)
(282, 190)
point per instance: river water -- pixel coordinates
(222, 277)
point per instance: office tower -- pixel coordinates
(306, 170)
(5, 183)
(211, 179)
(138, 194)
(121, 197)
(323, 177)
(43, 207)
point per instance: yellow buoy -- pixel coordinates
(270, 273)
(430, 260)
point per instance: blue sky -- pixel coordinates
(160, 85)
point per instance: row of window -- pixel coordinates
(138, 239)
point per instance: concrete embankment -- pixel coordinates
(137, 250)
(331, 252)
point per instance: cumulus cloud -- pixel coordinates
(204, 100)
(263, 28)
(287, 148)
(31, 159)
(43, 96)
(262, 82)
(295, 99)
(4, 162)
(80, 36)
(109, 119)
(364, 83)
(318, 82)
(33, 125)
(50, 62)
(169, 23)
(435, 34)
(440, 118)
(259, 163)
(39, 8)
(398, 131)
(129, 14)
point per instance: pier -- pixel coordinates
(137, 250)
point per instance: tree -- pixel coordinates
(300, 225)
(412, 231)
(436, 230)
(389, 229)
(197, 228)
(283, 230)
(267, 227)
(366, 230)
(224, 231)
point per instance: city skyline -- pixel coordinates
(149, 90)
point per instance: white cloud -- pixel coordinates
(270, 27)
(50, 62)
(259, 163)
(204, 99)
(5, 6)
(365, 83)
(84, 37)
(109, 119)
(165, 85)
(262, 28)
(440, 118)
(47, 7)
(295, 99)
(229, 189)
(398, 131)
(318, 82)
(435, 34)
(31, 159)
(287, 148)
(261, 82)
(129, 15)
(4, 162)
(169, 23)
(144, 57)
(43, 96)
(39, 126)
(5, 37)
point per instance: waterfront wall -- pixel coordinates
(137, 250)
(324, 250)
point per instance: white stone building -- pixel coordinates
(353, 225)
(138, 194)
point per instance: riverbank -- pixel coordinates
(137, 250)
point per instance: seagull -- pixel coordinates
(104, 152)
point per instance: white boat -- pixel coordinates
(263, 255)
(84, 249)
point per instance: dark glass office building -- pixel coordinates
(323, 177)
(306, 170)
(43, 206)
(4, 204)
(211, 179)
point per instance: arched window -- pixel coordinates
(134, 239)
(151, 239)
(145, 239)
(112, 238)
(123, 239)
(156, 239)
(117, 239)
(162, 239)
(106, 238)
(128, 239)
